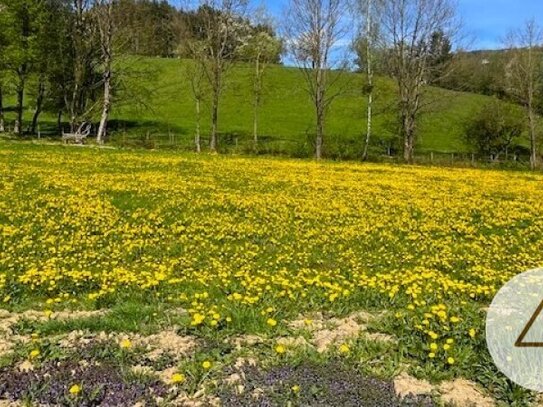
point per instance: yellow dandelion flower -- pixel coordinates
(271, 322)
(126, 344)
(177, 378)
(280, 349)
(75, 389)
(344, 348)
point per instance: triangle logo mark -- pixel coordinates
(520, 342)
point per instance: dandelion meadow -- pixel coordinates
(233, 281)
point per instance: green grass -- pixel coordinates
(237, 241)
(155, 109)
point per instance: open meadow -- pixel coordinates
(178, 279)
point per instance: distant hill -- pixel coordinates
(287, 116)
(155, 108)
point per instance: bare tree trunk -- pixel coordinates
(2, 125)
(197, 137)
(59, 122)
(255, 129)
(369, 73)
(533, 138)
(408, 133)
(18, 129)
(256, 104)
(523, 74)
(314, 28)
(102, 129)
(320, 136)
(39, 106)
(105, 22)
(214, 121)
(320, 109)
(408, 27)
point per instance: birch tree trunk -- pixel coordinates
(214, 122)
(197, 137)
(2, 125)
(106, 107)
(105, 23)
(369, 74)
(534, 159)
(256, 103)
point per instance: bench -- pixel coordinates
(79, 136)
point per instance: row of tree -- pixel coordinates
(67, 48)
(72, 48)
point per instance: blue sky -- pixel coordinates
(486, 21)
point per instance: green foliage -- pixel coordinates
(494, 128)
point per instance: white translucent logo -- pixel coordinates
(514, 330)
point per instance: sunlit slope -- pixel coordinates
(286, 117)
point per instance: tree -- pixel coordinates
(216, 31)
(52, 34)
(408, 30)
(260, 47)
(523, 76)
(21, 20)
(3, 45)
(440, 56)
(82, 57)
(493, 130)
(196, 78)
(106, 27)
(314, 28)
(148, 26)
(365, 46)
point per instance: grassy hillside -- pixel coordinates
(155, 107)
(287, 115)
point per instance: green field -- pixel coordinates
(154, 108)
(287, 118)
(174, 277)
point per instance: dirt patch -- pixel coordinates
(342, 330)
(241, 363)
(166, 375)
(25, 366)
(167, 342)
(406, 385)
(242, 341)
(463, 393)
(143, 370)
(7, 403)
(294, 342)
(311, 322)
(8, 319)
(185, 401)
(5, 347)
(457, 393)
(327, 333)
